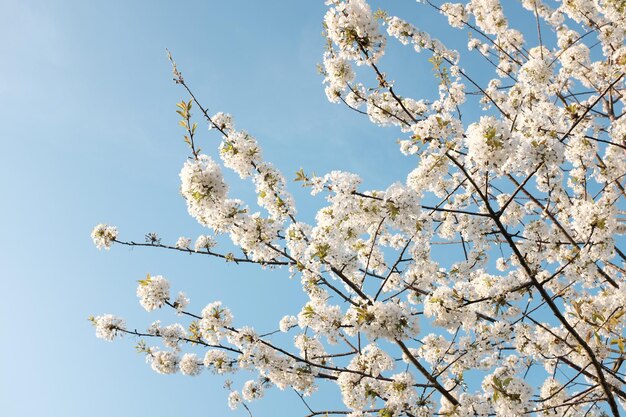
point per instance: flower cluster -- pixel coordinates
(103, 236)
(205, 191)
(352, 27)
(214, 320)
(108, 326)
(153, 292)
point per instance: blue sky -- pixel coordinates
(89, 134)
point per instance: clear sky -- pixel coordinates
(89, 134)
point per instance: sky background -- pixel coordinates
(89, 135)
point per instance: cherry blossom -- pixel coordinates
(487, 280)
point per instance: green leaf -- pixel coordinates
(308, 311)
(301, 176)
(392, 209)
(322, 251)
(145, 281)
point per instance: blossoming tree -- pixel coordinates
(529, 198)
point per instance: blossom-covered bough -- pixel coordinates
(525, 314)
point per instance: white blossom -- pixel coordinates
(252, 390)
(181, 302)
(353, 29)
(234, 399)
(108, 326)
(287, 323)
(204, 242)
(218, 361)
(103, 235)
(163, 362)
(190, 364)
(153, 292)
(214, 319)
(183, 243)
